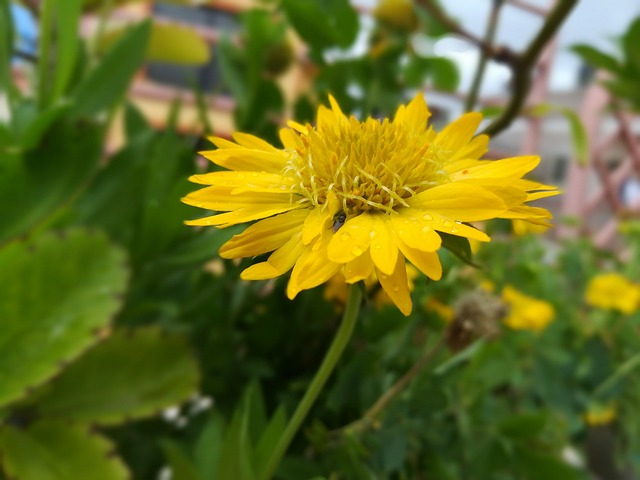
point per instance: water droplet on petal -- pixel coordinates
(345, 236)
(428, 217)
(426, 230)
(448, 224)
(357, 251)
(372, 233)
(395, 288)
(384, 276)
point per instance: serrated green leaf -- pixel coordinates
(597, 58)
(132, 374)
(168, 43)
(54, 451)
(106, 84)
(57, 293)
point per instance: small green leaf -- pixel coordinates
(67, 43)
(536, 465)
(597, 58)
(106, 84)
(54, 451)
(441, 71)
(459, 246)
(169, 43)
(630, 42)
(132, 374)
(57, 293)
(578, 135)
(209, 446)
(523, 425)
(269, 439)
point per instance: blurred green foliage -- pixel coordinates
(113, 312)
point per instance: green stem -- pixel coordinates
(315, 387)
(44, 47)
(489, 37)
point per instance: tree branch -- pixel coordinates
(524, 64)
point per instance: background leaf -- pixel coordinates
(132, 374)
(58, 293)
(55, 451)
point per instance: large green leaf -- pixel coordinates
(58, 293)
(169, 43)
(134, 373)
(55, 451)
(597, 58)
(106, 84)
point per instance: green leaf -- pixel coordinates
(578, 135)
(269, 439)
(236, 455)
(106, 84)
(48, 176)
(135, 123)
(54, 451)
(630, 42)
(523, 425)
(169, 43)
(459, 246)
(442, 72)
(67, 42)
(209, 446)
(182, 468)
(58, 293)
(537, 465)
(335, 25)
(35, 131)
(132, 374)
(597, 58)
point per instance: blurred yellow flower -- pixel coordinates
(521, 227)
(525, 312)
(613, 291)
(361, 197)
(599, 415)
(444, 311)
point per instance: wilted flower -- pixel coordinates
(525, 312)
(613, 291)
(361, 197)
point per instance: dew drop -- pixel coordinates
(357, 251)
(455, 230)
(384, 276)
(426, 230)
(345, 236)
(372, 233)
(395, 288)
(377, 247)
(448, 224)
(428, 217)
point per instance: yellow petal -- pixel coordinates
(457, 134)
(359, 268)
(242, 215)
(251, 141)
(416, 232)
(396, 285)
(526, 213)
(415, 114)
(221, 198)
(243, 159)
(538, 195)
(264, 236)
(222, 142)
(443, 224)
(289, 139)
(427, 262)
(515, 167)
(475, 149)
(315, 223)
(278, 263)
(312, 268)
(384, 251)
(246, 181)
(336, 109)
(459, 201)
(352, 240)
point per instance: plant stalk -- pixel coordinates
(315, 387)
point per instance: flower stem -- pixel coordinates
(315, 387)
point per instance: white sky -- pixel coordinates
(593, 22)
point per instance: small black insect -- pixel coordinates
(338, 221)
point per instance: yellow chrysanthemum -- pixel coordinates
(525, 312)
(599, 415)
(361, 197)
(613, 291)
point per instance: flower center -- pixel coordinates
(369, 165)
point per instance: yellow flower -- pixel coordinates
(526, 313)
(599, 415)
(360, 197)
(613, 291)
